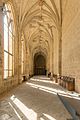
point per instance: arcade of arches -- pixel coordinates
(39, 37)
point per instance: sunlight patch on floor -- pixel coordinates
(52, 90)
(45, 81)
(15, 111)
(42, 118)
(29, 113)
(46, 89)
(49, 117)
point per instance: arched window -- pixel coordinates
(8, 42)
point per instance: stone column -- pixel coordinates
(60, 40)
(27, 61)
(1, 49)
(60, 52)
(19, 57)
(51, 57)
(52, 49)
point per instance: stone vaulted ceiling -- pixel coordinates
(36, 19)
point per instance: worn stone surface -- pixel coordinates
(34, 100)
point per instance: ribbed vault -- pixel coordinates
(34, 19)
(37, 20)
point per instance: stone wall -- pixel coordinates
(10, 81)
(71, 40)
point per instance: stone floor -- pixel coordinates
(35, 99)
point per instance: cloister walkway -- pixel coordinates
(35, 99)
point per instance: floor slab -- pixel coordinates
(35, 99)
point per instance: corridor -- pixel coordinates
(39, 39)
(35, 99)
